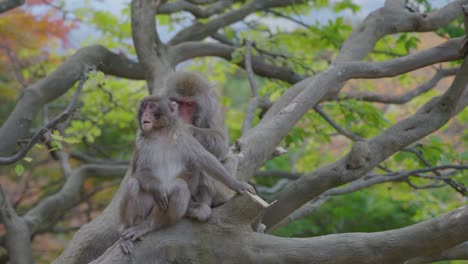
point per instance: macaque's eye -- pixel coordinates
(147, 105)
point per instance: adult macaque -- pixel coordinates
(167, 161)
(199, 106)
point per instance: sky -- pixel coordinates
(79, 35)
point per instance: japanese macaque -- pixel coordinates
(167, 164)
(199, 106)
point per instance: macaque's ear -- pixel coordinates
(174, 107)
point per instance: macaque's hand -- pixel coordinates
(243, 186)
(161, 199)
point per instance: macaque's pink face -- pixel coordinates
(187, 108)
(147, 119)
(155, 113)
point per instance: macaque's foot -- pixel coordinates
(261, 228)
(200, 212)
(126, 246)
(136, 232)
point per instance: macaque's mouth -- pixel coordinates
(146, 124)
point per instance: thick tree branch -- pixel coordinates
(459, 252)
(391, 20)
(55, 85)
(382, 22)
(66, 198)
(404, 98)
(199, 12)
(189, 50)
(447, 51)
(189, 241)
(279, 174)
(18, 242)
(366, 155)
(200, 31)
(257, 146)
(149, 48)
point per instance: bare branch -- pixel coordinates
(274, 189)
(461, 189)
(297, 21)
(338, 128)
(253, 103)
(359, 184)
(51, 125)
(91, 159)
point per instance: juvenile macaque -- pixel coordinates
(167, 161)
(199, 106)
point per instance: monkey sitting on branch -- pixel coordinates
(165, 171)
(200, 108)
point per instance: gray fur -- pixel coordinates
(210, 130)
(168, 161)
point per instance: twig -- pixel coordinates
(452, 183)
(54, 122)
(339, 129)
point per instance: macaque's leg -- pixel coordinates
(199, 211)
(134, 207)
(135, 204)
(199, 207)
(179, 197)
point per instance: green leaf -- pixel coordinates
(27, 159)
(56, 136)
(19, 169)
(237, 55)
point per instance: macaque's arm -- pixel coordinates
(213, 140)
(214, 168)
